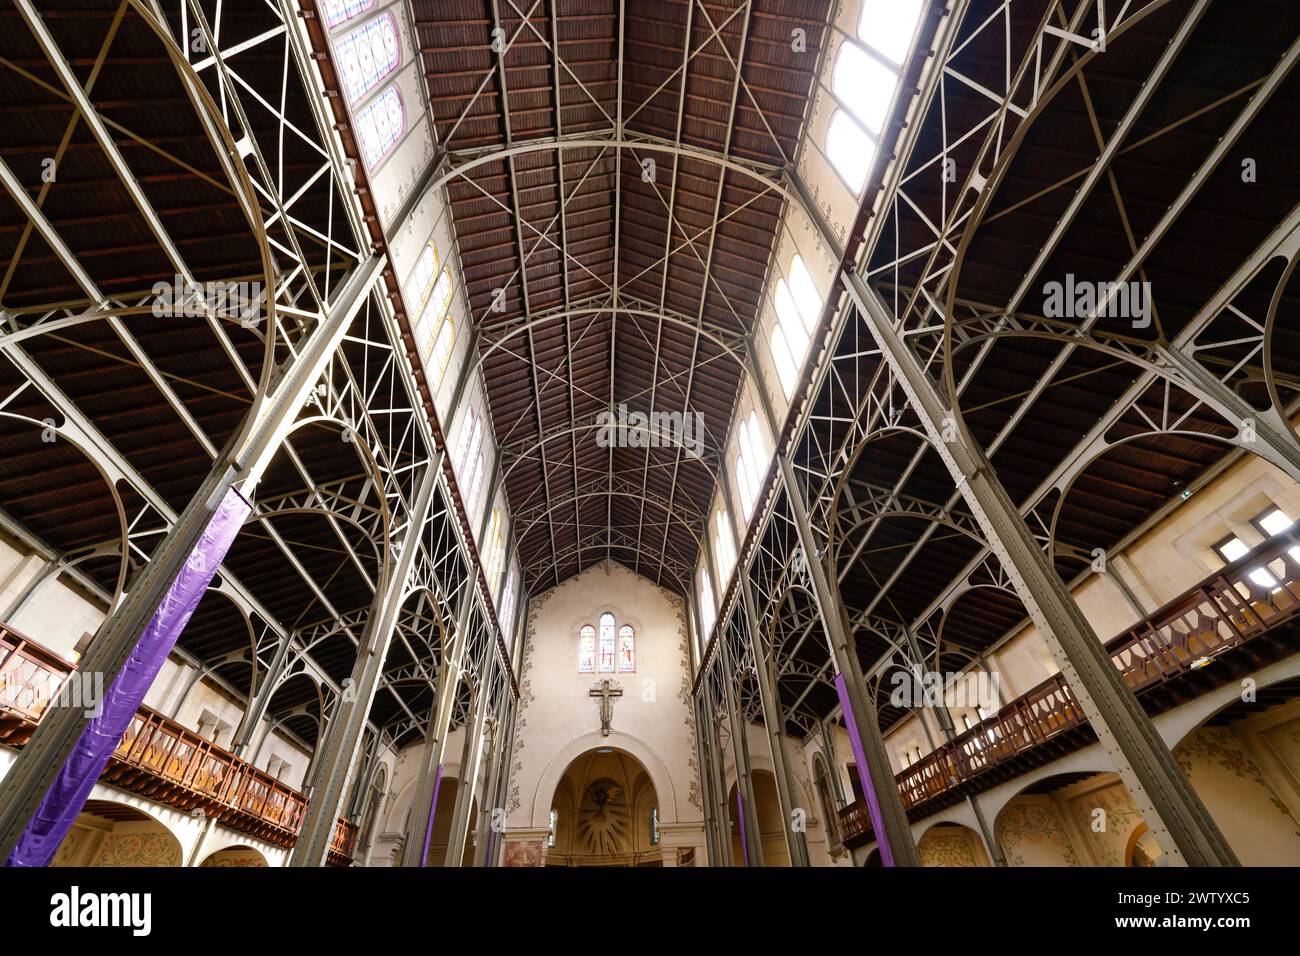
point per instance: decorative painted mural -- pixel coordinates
(139, 849)
(946, 846)
(1031, 834)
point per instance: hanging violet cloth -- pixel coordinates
(433, 808)
(67, 795)
(868, 791)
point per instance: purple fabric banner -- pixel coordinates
(67, 795)
(864, 775)
(433, 808)
(740, 816)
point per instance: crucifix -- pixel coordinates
(606, 695)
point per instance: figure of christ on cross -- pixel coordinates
(606, 695)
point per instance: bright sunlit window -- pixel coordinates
(380, 126)
(1270, 522)
(708, 611)
(750, 463)
(864, 85)
(508, 600)
(888, 25)
(724, 550)
(850, 150)
(367, 55)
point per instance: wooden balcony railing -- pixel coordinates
(1246, 599)
(159, 759)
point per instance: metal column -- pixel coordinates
(1171, 808)
(339, 756)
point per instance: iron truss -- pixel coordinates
(198, 151)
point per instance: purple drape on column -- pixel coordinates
(864, 775)
(67, 795)
(433, 808)
(740, 815)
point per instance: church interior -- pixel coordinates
(674, 434)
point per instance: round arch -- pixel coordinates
(616, 740)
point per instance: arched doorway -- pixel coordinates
(771, 826)
(951, 844)
(440, 835)
(605, 812)
(244, 856)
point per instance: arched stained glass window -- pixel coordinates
(341, 11)
(380, 126)
(626, 649)
(606, 643)
(587, 650)
(439, 355)
(420, 283)
(467, 432)
(367, 55)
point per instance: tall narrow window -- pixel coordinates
(553, 819)
(750, 466)
(724, 551)
(708, 612)
(606, 643)
(508, 601)
(864, 85)
(420, 283)
(587, 650)
(466, 438)
(850, 150)
(367, 55)
(626, 649)
(654, 826)
(380, 126)
(887, 26)
(783, 358)
(807, 300)
(475, 483)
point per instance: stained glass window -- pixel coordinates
(550, 837)
(606, 643)
(368, 54)
(626, 649)
(440, 354)
(380, 126)
(341, 11)
(654, 826)
(420, 282)
(587, 650)
(466, 436)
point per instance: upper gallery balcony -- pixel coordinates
(159, 759)
(1224, 628)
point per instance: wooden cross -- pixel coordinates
(605, 693)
